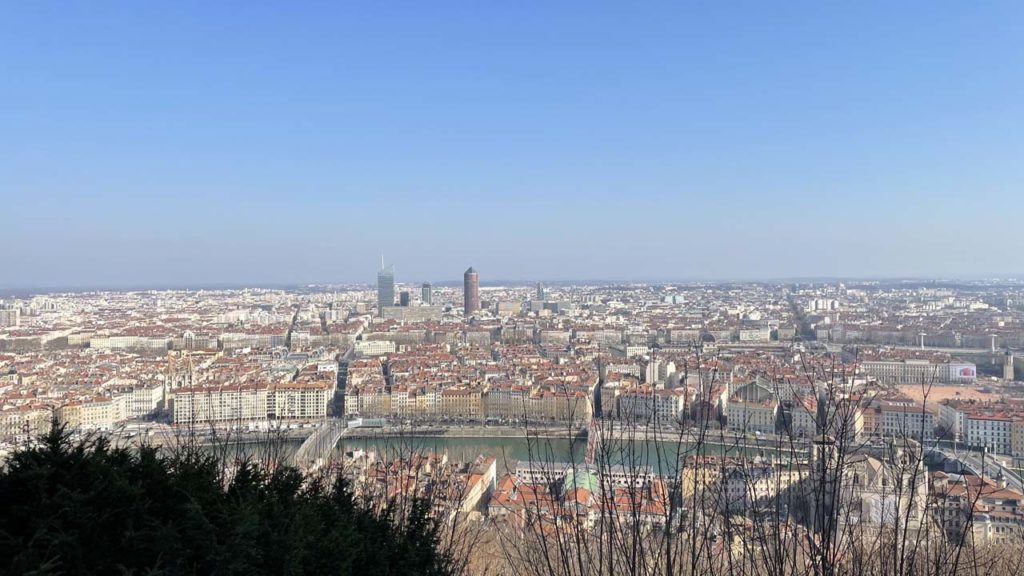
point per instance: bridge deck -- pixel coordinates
(319, 445)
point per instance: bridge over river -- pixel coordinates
(974, 462)
(318, 447)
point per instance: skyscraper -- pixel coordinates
(427, 294)
(471, 291)
(404, 298)
(540, 291)
(385, 287)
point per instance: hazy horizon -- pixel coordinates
(266, 144)
(508, 282)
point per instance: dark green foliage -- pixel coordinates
(89, 508)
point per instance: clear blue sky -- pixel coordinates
(291, 142)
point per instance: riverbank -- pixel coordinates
(720, 439)
(481, 432)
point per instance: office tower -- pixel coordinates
(385, 287)
(403, 298)
(471, 291)
(540, 291)
(427, 294)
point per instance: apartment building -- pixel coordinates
(906, 419)
(461, 403)
(141, 401)
(299, 400)
(991, 430)
(22, 423)
(804, 416)
(644, 404)
(213, 404)
(505, 400)
(988, 508)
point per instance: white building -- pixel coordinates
(753, 415)
(907, 419)
(101, 413)
(755, 334)
(299, 400)
(10, 317)
(753, 408)
(992, 431)
(804, 416)
(142, 401)
(22, 423)
(375, 347)
(952, 419)
(213, 404)
(919, 371)
(647, 405)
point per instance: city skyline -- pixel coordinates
(170, 145)
(370, 283)
(386, 281)
(539, 288)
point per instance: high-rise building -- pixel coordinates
(540, 291)
(427, 294)
(385, 287)
(471, 291)
(404, 298)
(11, 317)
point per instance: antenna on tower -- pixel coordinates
(381, 260)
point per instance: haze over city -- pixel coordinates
(512, 289)
(189, 144)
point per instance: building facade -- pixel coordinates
(920, 371)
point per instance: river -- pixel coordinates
(509, 451)
(660, 455)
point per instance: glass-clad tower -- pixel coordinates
(427, 294)
(385, 288)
